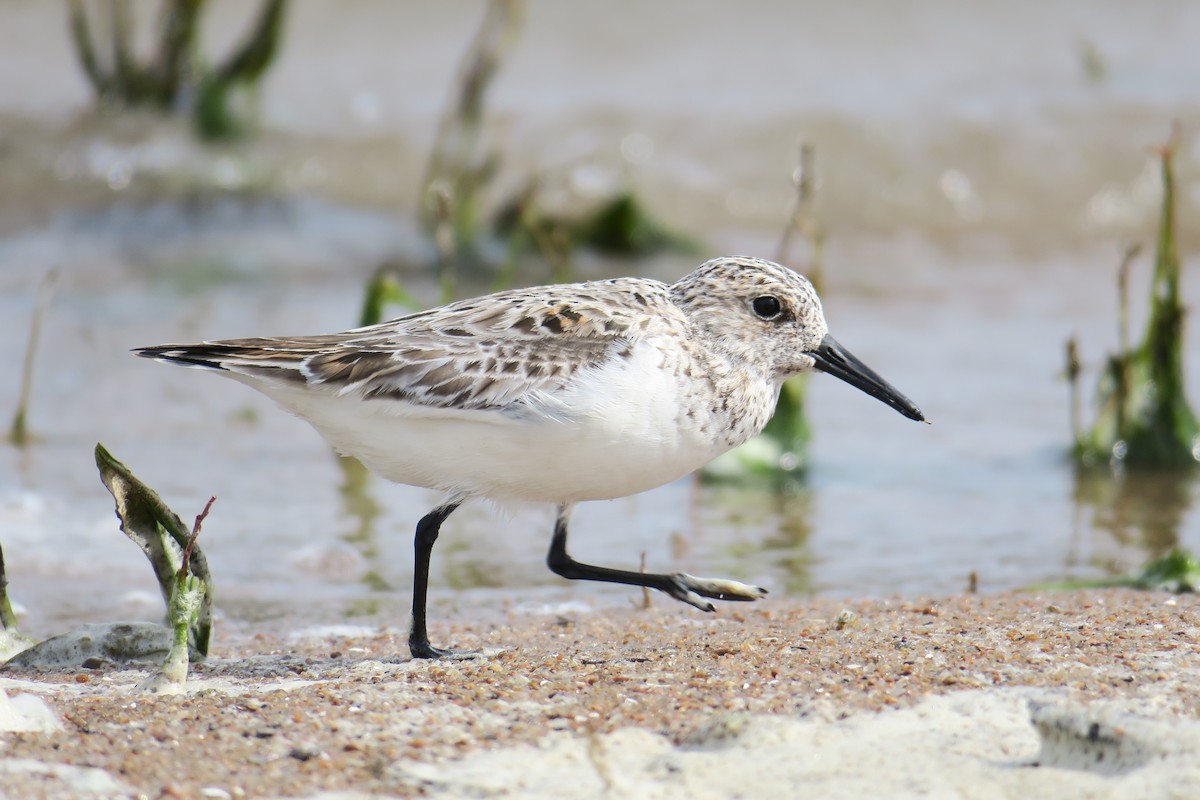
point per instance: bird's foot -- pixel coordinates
(690, 589)
(423, 649)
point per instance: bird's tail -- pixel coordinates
(268, 359)
(206, 355)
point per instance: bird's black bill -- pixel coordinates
(831, 357)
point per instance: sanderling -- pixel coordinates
(559, 394)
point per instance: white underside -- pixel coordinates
(615, 431)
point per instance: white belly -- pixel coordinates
(617, 431)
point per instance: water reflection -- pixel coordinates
(362, 509)
(466, 568)
(775, 531)
(1139, 511)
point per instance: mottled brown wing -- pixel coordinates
(490, 374)
(507, 349)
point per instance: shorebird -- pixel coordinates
(558, 394)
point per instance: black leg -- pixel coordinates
(427, 534)
(683, 587)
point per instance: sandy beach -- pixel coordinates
(1072, 694)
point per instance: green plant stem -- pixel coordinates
(455, 166)
(1145, 420)
(163, 537)
(167, 79)
(8, 618)
(18, 433)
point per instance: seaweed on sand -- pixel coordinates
(1178, 572)
(183, 579)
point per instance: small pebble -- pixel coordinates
(305, 752)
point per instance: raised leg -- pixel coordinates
(427, 534)
(683, 587)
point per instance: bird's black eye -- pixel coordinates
(767, 307)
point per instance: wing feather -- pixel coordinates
(512, 351)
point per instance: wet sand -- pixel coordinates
(951, 696)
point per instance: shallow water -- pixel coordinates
(976, 195)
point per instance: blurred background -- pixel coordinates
(974, 176)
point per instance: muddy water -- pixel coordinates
(979, 172)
